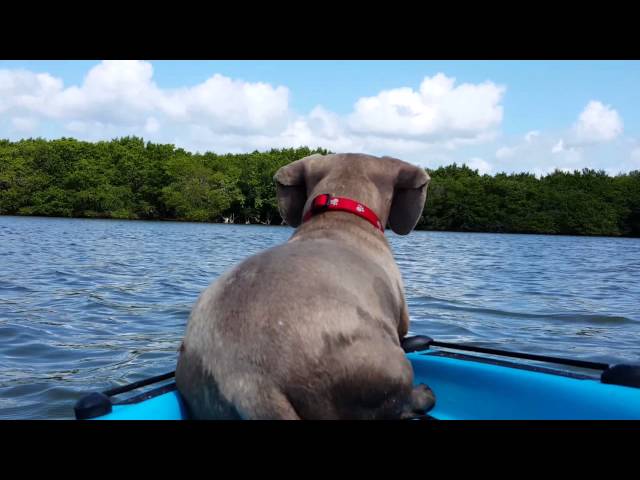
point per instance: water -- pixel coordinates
(91, 304)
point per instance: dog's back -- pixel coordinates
(308, 329)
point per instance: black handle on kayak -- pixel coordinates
(141, 383)
(620, 374)
(421, 342)
(97, 404)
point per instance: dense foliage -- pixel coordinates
(126, 178)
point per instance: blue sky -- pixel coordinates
(510, 116)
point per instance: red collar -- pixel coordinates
(326, 201)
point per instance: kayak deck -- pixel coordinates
(467, 387)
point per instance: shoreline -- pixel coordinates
(177, 220)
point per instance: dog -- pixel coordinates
(312, 329)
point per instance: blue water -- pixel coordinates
(91, 304)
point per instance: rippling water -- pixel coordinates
(91, 304)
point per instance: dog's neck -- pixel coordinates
(326, 202)
(343, 227)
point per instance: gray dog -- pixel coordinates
(311, 329)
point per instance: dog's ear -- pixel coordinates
(291, 190)
(409, 196)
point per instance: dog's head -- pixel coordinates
(393, 189)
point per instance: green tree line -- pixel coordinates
(128, 178)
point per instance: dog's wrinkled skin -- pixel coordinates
(311, 329)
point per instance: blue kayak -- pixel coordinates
(470, 383)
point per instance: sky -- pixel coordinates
(495, 116)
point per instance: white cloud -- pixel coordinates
(123, 94)
(543, 153)
(505, 152)
(597, 123)
(230, 105)
(479, 164)
(558, 147)
(223, 114)
(23, 91)
(417, 125)
(531, 135)
(24, 125)
(593, 141)
(508, 152)
(438, 110)
(152, 125)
